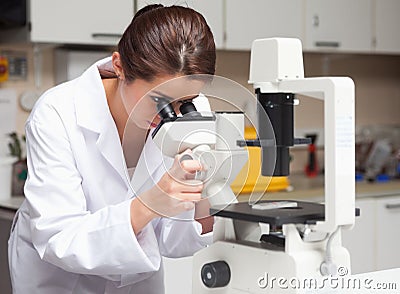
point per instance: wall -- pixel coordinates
(377, 84)
(21, 86)
(377, 80)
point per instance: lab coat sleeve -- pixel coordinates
(63, 232)
(181, 236)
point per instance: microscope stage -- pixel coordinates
(299, 213)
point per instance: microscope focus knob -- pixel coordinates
(216, 274)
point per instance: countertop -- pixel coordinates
(301, 189)
(11, 203)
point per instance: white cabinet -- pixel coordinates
(341, 25)
(212, 10)
(357, 26)
(387, 20)
(92, 22)
(360, 241)
(374, 241)
(247, 21)
(387, 232)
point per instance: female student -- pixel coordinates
(102, 208)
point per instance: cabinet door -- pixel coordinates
(360, 241)
(339, 25)
(387, 25)
(93, 22)
(212, 10)
(388, 237)
(247, 21)
(6, 218)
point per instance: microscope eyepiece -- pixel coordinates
(165, 109)
(187, 108)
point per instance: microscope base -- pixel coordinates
(255, 269)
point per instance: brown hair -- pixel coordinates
(166, 40)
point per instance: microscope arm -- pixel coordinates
(338, 96)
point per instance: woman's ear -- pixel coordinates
(117, 65)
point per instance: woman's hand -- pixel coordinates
(175, 193)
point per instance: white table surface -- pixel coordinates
(13, 202)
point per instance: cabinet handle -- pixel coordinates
(105, 35)
(315, 21)
(392, 206)
(327, 44)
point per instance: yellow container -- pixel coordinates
(3, 69)
(250, 179)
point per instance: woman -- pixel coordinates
(86, 226)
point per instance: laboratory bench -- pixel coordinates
(373, 243)
(312, 189)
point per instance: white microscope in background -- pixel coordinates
(257, 244)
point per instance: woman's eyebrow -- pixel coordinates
(162, 95)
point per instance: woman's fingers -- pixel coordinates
(189, 197)
(195, 196)
(190, 166)
(185, 167)
(191, 186)
(187, 205)
(177, 191)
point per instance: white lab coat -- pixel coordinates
(73, 232)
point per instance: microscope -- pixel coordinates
(212, 140)
(271, 246)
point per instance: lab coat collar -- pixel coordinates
(93, 114)
(92, 110)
